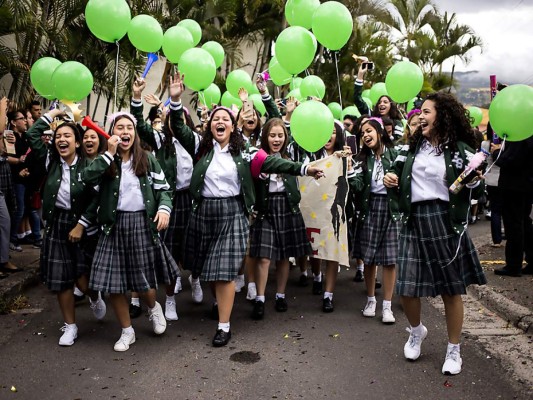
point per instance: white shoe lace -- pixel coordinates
(370, 305)
(453, 354)
(414, 339)
(64, 328)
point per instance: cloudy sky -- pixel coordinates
(506, 28)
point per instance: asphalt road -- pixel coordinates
(300, 354)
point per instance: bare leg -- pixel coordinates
(453, 308)
(389, 280)
(149, 297)
(250, 268)
(315, 265)
(225, 294)
(282, 275)
(261, 276)
(370, 279)
(412, 308)
(120, 305)
(332, 270)
(66, 302)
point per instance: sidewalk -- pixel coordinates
(511, 298)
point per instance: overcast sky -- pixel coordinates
(506, 28)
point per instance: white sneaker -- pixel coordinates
(170, 311)
(370, 309)
(70, 334)
(98, 307)
(196, 291)
(252, 292)
(387, 317)
(239, 283)
(125, 340)
(412, 348)
(155, 315)
(177, 287)
(453, 362)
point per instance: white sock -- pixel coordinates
(224, 326)
(328, 295)
(387, 304)
(128, 330)
(280, 295)
(417, 329)
(304, 273)
(77, 292)
(171, 299)
(317, 278)
(373, 298)
(451, 346)
(136, 301)
(361, 267)
(240, 277)
(251, 285)
(260, 298)
(72, 325)
(195, 280)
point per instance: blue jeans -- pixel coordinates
(19, 190)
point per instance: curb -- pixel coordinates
(17, 283)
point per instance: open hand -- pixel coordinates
(162, 220)
(176, 87)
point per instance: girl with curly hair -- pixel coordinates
(436, 256)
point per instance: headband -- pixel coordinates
(112, 117)
(412, 112)
(339, 124)
(379, 120)
(223, 108)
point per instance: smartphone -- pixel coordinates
(369, 65)
(352, 142)
(10, 147)
(283, 102)
(247, 108)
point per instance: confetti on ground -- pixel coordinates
(335, 335)
(447, 383)
(13, 389)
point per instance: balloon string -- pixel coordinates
(338, 79)
(116, 76)
(499, 154)
(201, 97)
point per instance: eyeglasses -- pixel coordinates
(20, 118)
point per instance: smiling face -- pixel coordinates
(221, 127)
(414, 123)
(370, 136)
(384, 105)
(90, 143)
(276, 139)
(125, 129)
(66, 144)
(251, 123)
(330, 145)
(427, 118)
(20, 124)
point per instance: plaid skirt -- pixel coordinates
(216, 237)
(376, 238)
(280, 234)
(174, 234)
(62, 262)
(129, 259)
(427, 261)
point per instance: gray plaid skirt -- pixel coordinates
(427, 262)
(129, 259)
(174, 234)
(62, 262)
(216, 237)
(376, 238)
(280, 234)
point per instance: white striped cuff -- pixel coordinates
(164, 209)
(85, 222)
(107, 157)
(136, 103)
(47, 118)
(266, 97)
(175, 105)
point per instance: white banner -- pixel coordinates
(323, 207)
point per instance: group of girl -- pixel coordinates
(208, 201)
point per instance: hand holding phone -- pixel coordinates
(368, 65)
(247, 110)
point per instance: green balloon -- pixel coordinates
(176, 41)
(368, 103)
(300, 12)
(476, 115)
(216, 50)
(376, 91)
(336, 110)
(295, 49)
(72, 81)
(145, 33)
(296, 94)
(313, 86)
(351, 110)
(258, 103)
(238, 79)
(209, 96)
(278, 75)
(296, 83)
(332, 25)
(194, 27)
(312, 125)
(511, 113)
(198, 67)
(41, 76)
(366, 93)
(108, 20)
(404, 81)
(228, 100)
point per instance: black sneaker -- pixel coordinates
(327, 305)
(259, 310)
(135, 311)
(221, 338)
(506, 271)
(377, 285)
(303, 281)
(528, 270)
(359, 277)
(317, 287)
(37, 244)
(281, 305)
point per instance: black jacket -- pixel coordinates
(516, 166)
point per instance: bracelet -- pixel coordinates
(159, 104)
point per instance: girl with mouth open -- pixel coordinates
(68, 213)
(134, 205)
(278, 231)
(436, 256)
(223, 196)
(376, 238)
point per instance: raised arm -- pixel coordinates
(358, 90)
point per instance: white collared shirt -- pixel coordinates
(376, 183)
(276, 181)
(221, 177)
(184, 166)
(130, 197)
(428, 176)
(63, 195)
